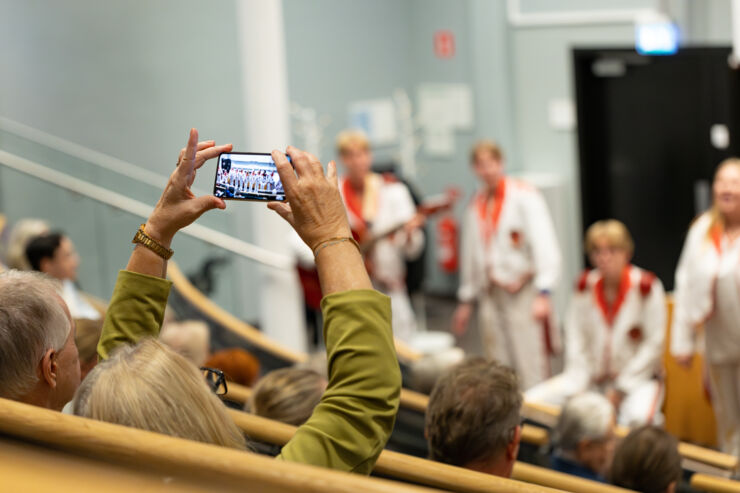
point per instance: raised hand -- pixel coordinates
(178, 206)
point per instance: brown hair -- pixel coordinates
(238, 365)
(87, 337)
(288, 395)
(614, 231)
(473, 412)
(486, 145)
(647, 460)
(716, 217)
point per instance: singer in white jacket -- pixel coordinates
(707, 295)
(510, 264)
(614, 332)
(384, 219)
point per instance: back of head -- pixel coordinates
(87, 335)
(42, 247)
(237, 364)
(288, 395)
(647, 460)
(189, 338)
(151, 387)
(587, 416)
(473, 413)
(22, 232)
(32, 320)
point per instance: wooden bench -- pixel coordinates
(434, 474)
(180, 461)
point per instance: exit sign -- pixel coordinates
(444, 44)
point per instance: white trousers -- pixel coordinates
(640, 406)
(725, 381)
(511, 335)
(403, 318)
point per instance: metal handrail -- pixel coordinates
(137, 208)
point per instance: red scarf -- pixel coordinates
(489, 222)
(354, 207)
(610, 311)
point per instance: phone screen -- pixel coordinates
(248, 176)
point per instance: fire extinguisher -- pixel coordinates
(447, 247)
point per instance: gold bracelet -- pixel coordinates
(335, 241)
(141, 238)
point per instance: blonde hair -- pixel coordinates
(486, 145)
(288, 395)
(151, 387)
(190, 338)
(349, 138)
(20, 235)
(717, 221)
(615, 232)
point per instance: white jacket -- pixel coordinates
(387, 205)
(523, 243)
(707, 282)
(622, 343)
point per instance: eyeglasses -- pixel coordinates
(215, 380)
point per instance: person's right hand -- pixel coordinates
(461, 318)
(178, 206)
(314, 207)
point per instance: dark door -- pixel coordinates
(646, 156)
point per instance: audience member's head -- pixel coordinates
(354, 152)
(189, 338)
(237, 364)
(53, 254)
(288, 395)
(473, 418)
(23, 231)
(609, 247)
(585, 431)
(87, 337)
(38, 357)
(425, 372)
(648, 461)
(487, 159)
(151, 387)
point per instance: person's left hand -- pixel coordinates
(414, 223)
(178, 206)
(541, 308)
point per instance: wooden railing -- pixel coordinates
(713, 484)
(434, 474)
(169, 457)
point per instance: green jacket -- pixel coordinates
(352, 423)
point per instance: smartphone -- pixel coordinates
(248, 176)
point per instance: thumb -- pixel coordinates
(284, 210)
(208, 202)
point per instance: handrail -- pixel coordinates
(170, 455)
(408, 468)
(96, 158)
(530, 434)
(137, 208)
(246, 331)
(713, 484)
(548, 414)
(226, 319)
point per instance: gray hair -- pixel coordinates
(32, 320)
(587, 416)
(22, 233)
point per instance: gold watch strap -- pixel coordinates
(141, 238)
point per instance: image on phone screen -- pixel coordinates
(248, 176)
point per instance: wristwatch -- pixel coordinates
(141, 238)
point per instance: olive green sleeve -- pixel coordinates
(351, 425)
(136, 311)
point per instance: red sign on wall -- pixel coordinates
(444, 44)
